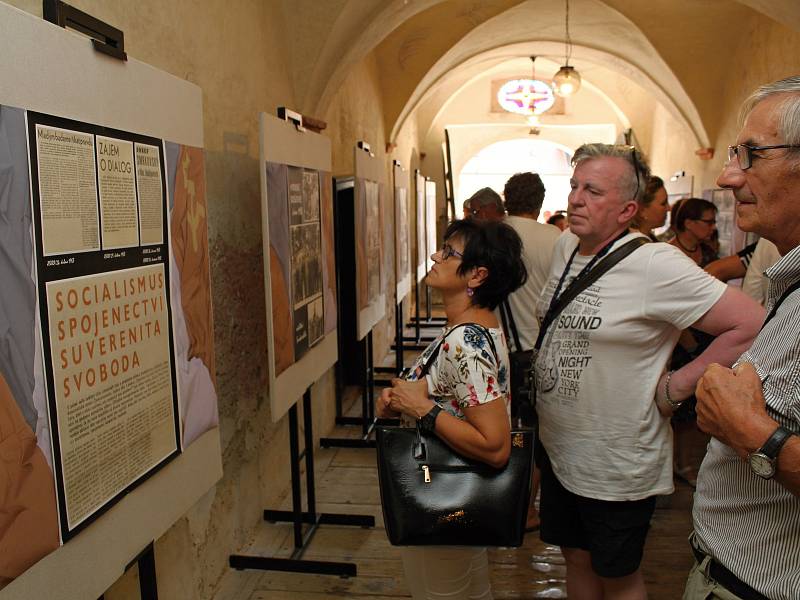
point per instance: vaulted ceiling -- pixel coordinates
(674, 48)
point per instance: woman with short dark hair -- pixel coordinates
(463, 395)
(694, 221)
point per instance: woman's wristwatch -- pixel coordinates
(428, 422)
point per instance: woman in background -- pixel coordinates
(463, 394)
(653, 208)
(694, 222)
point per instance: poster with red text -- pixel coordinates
(102, 261)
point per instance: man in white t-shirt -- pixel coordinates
(524, 195)
(604, 395)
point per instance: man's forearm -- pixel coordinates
(725, 349)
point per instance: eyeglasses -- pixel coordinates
(744, 153)
(447, 251)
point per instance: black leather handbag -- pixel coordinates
(519, 361)
(431, 495)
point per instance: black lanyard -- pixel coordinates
(586, 269)
(789, 291)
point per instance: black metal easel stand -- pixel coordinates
(398, 348)
(148, 585)
(428, 321)
(367, 420)
(297, 517)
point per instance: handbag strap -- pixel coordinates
(791, 289)
(509, 325)
(581, 283)
(419, 450)
(429, 361)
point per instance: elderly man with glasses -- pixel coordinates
(747, 506)
(603, 391)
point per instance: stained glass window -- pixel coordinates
(526, 96)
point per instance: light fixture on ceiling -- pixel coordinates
(567, 81)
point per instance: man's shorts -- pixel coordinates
(612, 532)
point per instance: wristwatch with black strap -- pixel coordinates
(428, 421)
(764, 461)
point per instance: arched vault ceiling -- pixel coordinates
(673, 64)
(607, 85)
(327, 39)
(785, 12)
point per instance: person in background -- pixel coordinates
(559, 220)
(603, 393)
(524, 195)
(694, 221)
(465, 208)
(756, 283)
(463, 397)
(746, 511)
(486, 205)
(733, 266)
(653, 208)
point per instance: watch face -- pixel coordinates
(762, 465)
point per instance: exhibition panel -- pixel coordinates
(107, 371)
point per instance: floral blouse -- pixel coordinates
(466, 372)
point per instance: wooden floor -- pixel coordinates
(347, 483)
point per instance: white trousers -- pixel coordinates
(447, 572)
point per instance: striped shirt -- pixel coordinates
(748, 524)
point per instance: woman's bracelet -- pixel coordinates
(674, 404)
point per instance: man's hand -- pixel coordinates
(731, 407)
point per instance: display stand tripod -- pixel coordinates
(146, 561)
(419, 322)
(297, 517)
(399, 346)
(367, 420)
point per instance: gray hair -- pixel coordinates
(485, 197)
(634, 182)
(789, 109)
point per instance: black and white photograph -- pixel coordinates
(373, 242)
(310, 196)
(316, 321)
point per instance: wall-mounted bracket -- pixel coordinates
(292, 116)
(362, 145)
(105, 38)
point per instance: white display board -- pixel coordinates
(370, 278)
(299, 259)
(130, 124)
(430, 221)
(420, 238)
(402, 233)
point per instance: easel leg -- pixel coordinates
(367, 419)
(297, 517)
(398, 338)
(148, 586)
(294, 455)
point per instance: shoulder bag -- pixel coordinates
(520, 365)
(431, 495)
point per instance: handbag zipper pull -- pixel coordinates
(427, 471)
